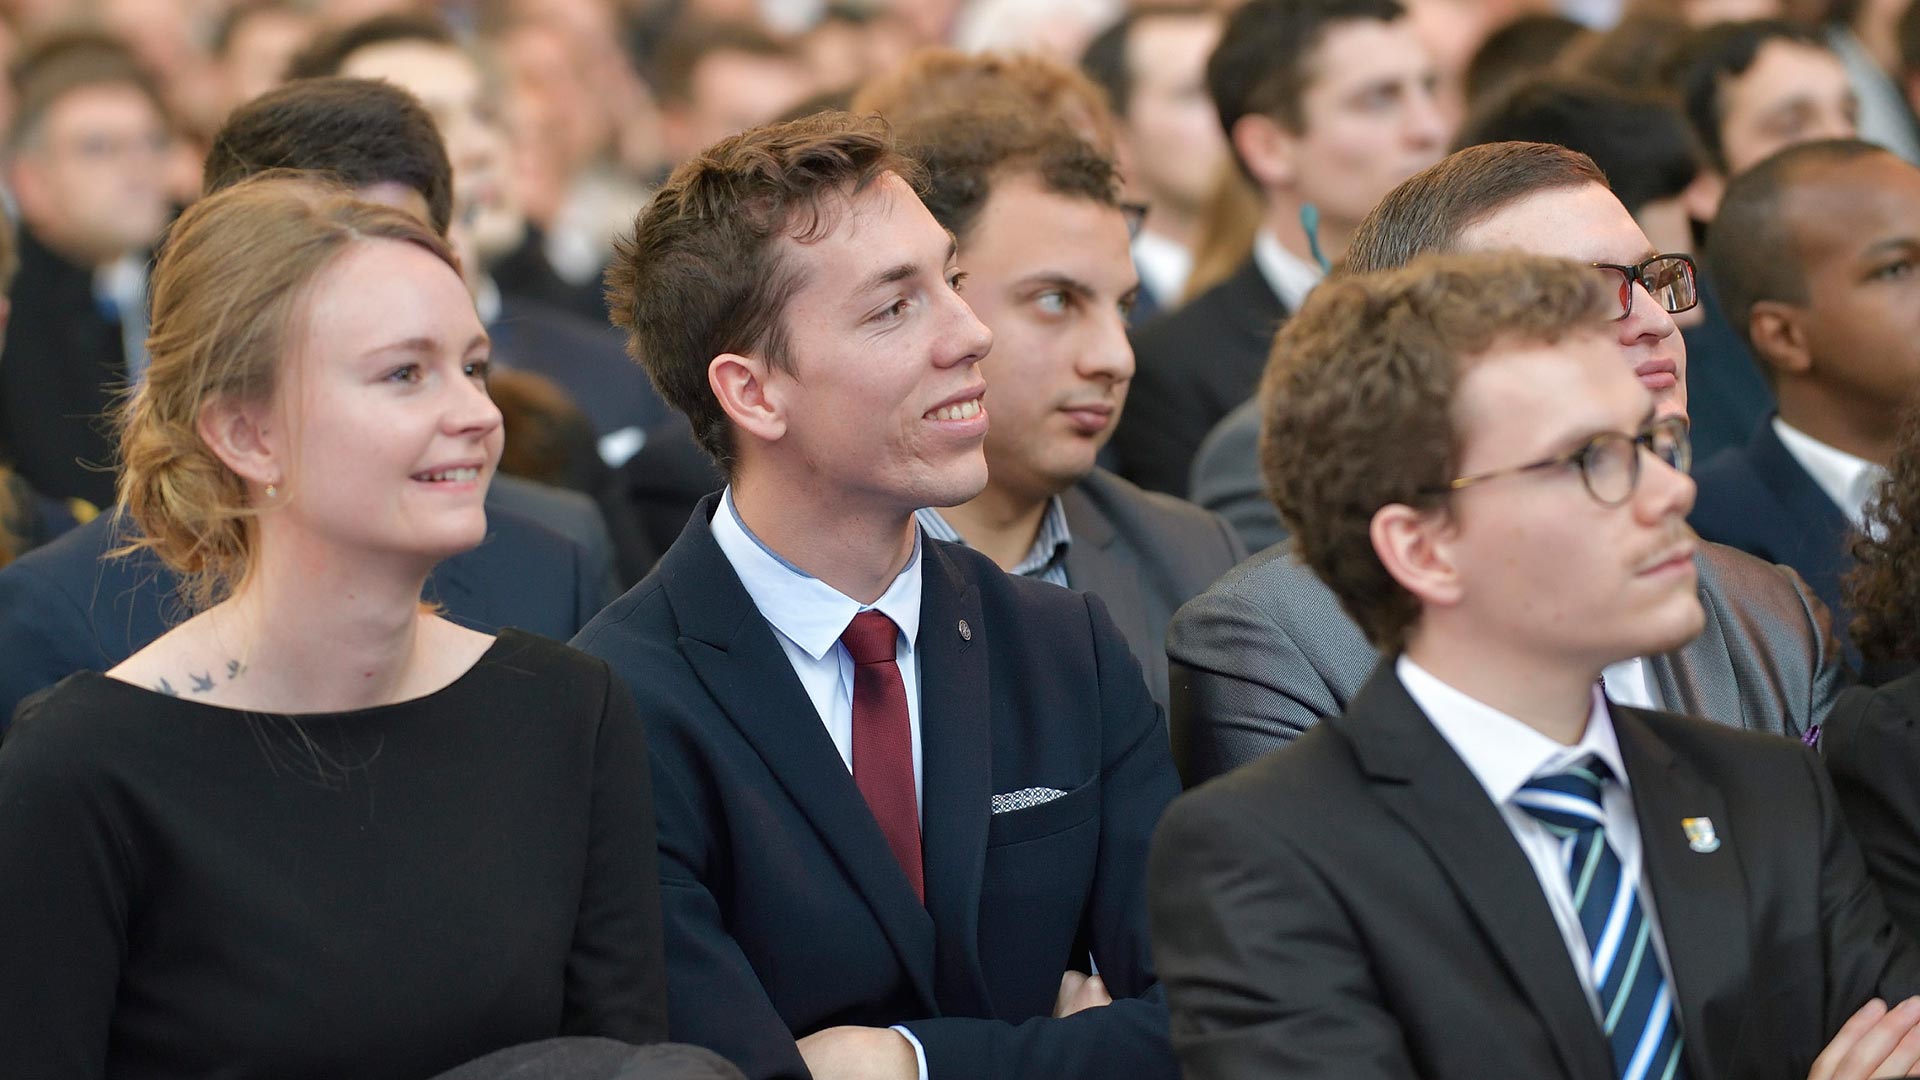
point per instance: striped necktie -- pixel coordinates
(1637, 1011)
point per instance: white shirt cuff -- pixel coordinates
(919, 1052)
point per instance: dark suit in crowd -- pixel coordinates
(1143, 554)
(64, 362)
(786, 911)
(588, 360)
(1192, 366)
(1268, 652)
(1727, 397)
(65, 607)
(1872, 749)
(1412, 938)
(1759, 499)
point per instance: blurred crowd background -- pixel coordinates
(560, 116)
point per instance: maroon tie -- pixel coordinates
(883, 740)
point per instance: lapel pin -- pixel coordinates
(1700, 835)
(966, 632)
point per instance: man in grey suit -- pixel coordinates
(1036, 213)
(1267, 651)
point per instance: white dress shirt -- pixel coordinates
(1290, 277)
(1503, 754)
(808, 616)
(1163, 266)
(1849, 481)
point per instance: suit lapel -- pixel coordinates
(1096, 564)
(956, 740)
(1689, 678)
(1700, 897)
(1424, 783)
(733, 651)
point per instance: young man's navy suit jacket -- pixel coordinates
(785, 910)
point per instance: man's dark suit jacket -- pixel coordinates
(1412, 937)
(785, 910)
(65, 607)
(588, 360)
(1143, 554)
(1191, 367)
(1871, 744)
(64, 361)
(1759, 499)
(1727, 397)
(1268, 651)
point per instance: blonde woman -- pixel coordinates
(317, 830)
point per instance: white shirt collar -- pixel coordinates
(1849, 481)
(486, 300)
(1163, 265)
(1502, 752)
(1290, 277)
(811, 613)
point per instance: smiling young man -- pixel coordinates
(1043, 237)
(1326, 104)
(1266, 652)
(1527, 879)
(1817, 256)
(904, 798)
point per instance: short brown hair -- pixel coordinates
(935, 81)
(1430, 209)
(704, 273)
(967, 151)
(231, 283)
(1358, 402)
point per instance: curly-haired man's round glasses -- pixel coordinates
(1609, 463)
(1669, 279)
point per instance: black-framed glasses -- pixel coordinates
(1609, 463)
(1670, 279)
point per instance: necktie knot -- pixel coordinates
(870, 638)
(1567, 801)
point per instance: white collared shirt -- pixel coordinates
(1290, 277)
(808, 616)
(1849, 481)
(1163, 266)
(1503, 754)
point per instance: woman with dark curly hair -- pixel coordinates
(1871, 741)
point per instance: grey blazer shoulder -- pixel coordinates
(1144, 554)
(1268, 651)
(1226, 478)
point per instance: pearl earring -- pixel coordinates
(272, 492)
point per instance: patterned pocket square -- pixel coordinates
(1024, 798)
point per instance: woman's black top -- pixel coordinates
(194, 891)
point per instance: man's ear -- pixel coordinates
(743, 386)
(1778, 333)
(1702, 196)
(1415, 547)
(244, 438)
(1268, 149)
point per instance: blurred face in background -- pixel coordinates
(453, 89)
(1371, 118)
(555, 121)
(730, 91)
(1174, 144)
(258, 51)
(91, 182)
(1791, 93)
